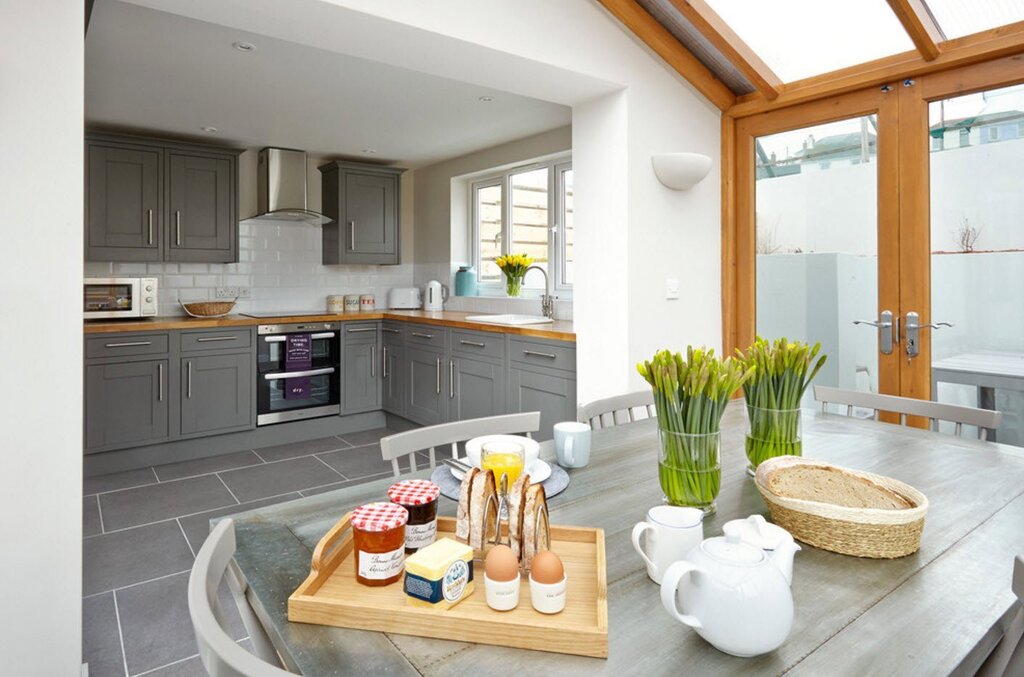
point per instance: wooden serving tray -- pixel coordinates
(331, 596)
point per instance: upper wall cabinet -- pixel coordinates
(156, 200)
(363, 201)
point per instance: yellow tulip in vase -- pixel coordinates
(514, 266)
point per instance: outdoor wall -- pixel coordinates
(41, 178)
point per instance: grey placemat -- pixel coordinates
(553, 485)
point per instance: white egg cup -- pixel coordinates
(548, 598)
(502, 595)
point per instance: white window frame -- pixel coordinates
(556, 236)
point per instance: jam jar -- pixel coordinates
(378, 535)
(419, 497)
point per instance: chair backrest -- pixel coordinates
(984, 419)
(221, 655)
(617, 410)
(430, 437)
(1007, 659)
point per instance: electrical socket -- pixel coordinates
(232, 292)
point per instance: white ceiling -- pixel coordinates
(154, 71)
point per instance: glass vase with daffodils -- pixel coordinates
(514, 267)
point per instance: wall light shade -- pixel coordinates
(681, 171)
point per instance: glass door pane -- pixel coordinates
(977, 253)
(816, 202)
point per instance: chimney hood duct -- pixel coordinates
(281, 188)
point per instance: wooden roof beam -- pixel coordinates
(920, 25)
(664, 44)
(726, 41)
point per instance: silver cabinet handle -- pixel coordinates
(373, 361)
(352, 237)
(550, 356)
(207, 339)
(188, 386)
(160, 382)
(437, 384)
(384, 362)
(391, 331)
(126, 344)
(451, 379)
(477, 344)
(150, 217)
(422, 335)
(177, 227)
(358, 330)
(297, 374)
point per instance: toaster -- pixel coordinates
(405, 297)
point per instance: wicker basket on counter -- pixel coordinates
(862, 532)
(208, 308)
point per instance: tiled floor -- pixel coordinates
(142, 529)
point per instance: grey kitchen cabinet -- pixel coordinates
(216, 393)
(361, 373)
(551, 393)
(476, 388)
(393, 369)
(426, 386)
(363, 201)
(126, 403)
(123, 207)
(201, 208)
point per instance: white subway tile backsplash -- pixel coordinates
(176, 281)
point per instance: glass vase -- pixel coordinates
(513, 285)
(689, 468)
(771, 433)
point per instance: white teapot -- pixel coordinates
(734, 594)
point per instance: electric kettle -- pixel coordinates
(434, 296)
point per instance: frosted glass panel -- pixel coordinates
(963, 17)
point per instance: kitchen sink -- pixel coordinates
(510, 319)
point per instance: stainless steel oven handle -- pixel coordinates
(127, 344)
(298, 374)
(373, 361)
(189, 384)
(437, 383)
(281, 339)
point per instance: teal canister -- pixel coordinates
(465, 281)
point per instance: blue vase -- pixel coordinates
(465, 281)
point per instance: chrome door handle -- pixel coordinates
(160, 382)
(150, 217)
(384, 362)
(550, 356)
(128, 343)
(437, 383)
(352, 236)
(886, 336)
(297, 374)
(207, 339)
(177, 227)
(478, 344)
(912, 330)
(373, 361)
(451, 379)
(188, 392)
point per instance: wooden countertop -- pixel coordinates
(559, 330)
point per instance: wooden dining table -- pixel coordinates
(938, 611)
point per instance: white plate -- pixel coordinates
(538, 471)
(531, 447)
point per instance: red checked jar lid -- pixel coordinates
(414, 492)
(379, 516)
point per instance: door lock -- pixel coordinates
(886, 336)
(913, 329)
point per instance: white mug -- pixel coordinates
(671, 532)
(572, 444)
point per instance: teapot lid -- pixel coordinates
(732, 550)
(758, 532)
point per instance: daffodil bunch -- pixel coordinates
(514, 266)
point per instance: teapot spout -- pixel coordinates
(782, 557)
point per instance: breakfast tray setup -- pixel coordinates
(332, 596)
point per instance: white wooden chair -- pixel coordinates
(430, 437)
(984, 419)
(617, 410)
(1007, 659)
(221, 655)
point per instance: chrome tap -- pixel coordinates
(547, 301)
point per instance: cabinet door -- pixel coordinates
(200, 206)
(125, 404)
(427, 383)
(371, 216)
(553, 395)
(123, 209)
(361, 385)
(216, 393)
(393, 379)
(477, 389)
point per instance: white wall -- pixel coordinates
(40, 284)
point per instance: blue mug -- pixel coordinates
(572, 444)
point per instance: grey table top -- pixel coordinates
(938, 611)
(1010, 365)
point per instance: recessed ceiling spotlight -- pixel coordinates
(208, 129)
(369, 151)
(487, 99)
(244, 46)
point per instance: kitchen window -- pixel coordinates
(527, 209)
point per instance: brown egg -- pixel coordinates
(547, 568)
(501, 565)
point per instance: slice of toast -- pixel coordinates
(464, 515)
(832, 485)
(516, 508)
(535, 524)
(483, 505)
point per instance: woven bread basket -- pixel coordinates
(862, 532)
(208, 308)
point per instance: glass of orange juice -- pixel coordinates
(503, 458)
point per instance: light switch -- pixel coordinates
(672, 289)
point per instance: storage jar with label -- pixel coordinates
(378, 535)
(419, 498)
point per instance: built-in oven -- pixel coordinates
(105, 298)
(286, 392)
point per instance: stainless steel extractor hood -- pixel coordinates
(281, 188)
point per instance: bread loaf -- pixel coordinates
(832, 485)
(535, 524)
(463, 515)
(516, 507)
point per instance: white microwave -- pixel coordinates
(107, 298)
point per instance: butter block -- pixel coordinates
(439, 575)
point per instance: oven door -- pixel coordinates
(324, 398)
(111, 297)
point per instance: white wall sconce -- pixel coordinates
(680, 171)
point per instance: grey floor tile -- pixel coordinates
(132, 507)
(190, 667)
(281, 452)
(271, 479)
(202, 466)
(101, 643)
(364, 462)
(125, 557)
(197, 527)
(362, 438)
(118, 480)
(90, 516)
(156, 626)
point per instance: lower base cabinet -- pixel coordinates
(360, 383)
(393, 370)
(477, 389)
(553, 395)
(216, 393)
(426, 384)
(126, 403)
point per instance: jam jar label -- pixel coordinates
(420, 535)
(381, 565)
(455, 580)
